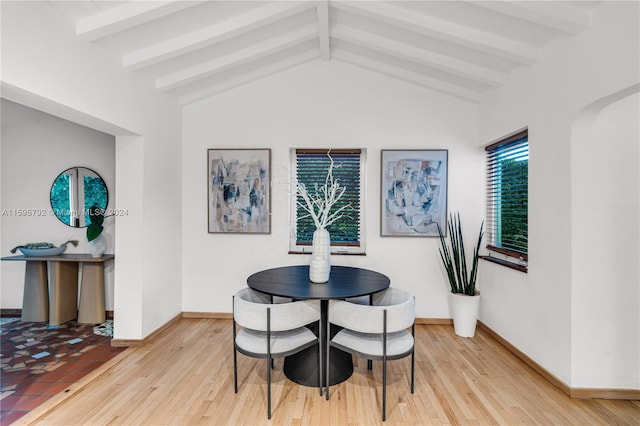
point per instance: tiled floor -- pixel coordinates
(39, 362)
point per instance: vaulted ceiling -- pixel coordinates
(196, 49)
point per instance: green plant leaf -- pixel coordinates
(93, 231)
(96, 215)
(461, 279)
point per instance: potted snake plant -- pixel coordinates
(464, 297)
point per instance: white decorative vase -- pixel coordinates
(464, 309)
(320, 266)
(98, 246)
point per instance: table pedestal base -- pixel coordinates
(302, 367)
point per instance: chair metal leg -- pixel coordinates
(320, 358)
(384, 366)
(384, 389)
(235, 369)
(235, 359)
(413, 369)
(269, 363)
(269, 388)
(413, 352)
(327, 366)
(370, 362)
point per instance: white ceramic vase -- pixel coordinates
(98, 246)
(320, 266)
(464, 310)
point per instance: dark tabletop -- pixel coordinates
(293, 281)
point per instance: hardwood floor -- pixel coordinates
(185, 377)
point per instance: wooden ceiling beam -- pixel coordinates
(420, 56)
(129, 15)
(559, 16)
(248, 77)
(212, 34)
(443, 30)
(407, 76)
(322, 9)
(237, 58)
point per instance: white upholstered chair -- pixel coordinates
(377, 332)
(272, 330)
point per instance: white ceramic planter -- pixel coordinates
(98, 246)
(320, 266)
(464, 310)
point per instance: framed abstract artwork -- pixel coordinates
(238, 184)
(414, 192)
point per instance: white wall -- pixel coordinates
(324, 104)
(47, 67)
(606, 246)
(34, 148)
(534, 311)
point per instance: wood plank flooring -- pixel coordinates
(185, 377)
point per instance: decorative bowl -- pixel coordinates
(43, 251)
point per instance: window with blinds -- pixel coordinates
(310, 167)
(507, 198)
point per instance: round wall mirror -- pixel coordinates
(74, 192)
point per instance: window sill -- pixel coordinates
(339, 253)
(506, 263)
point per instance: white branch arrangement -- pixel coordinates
(319, 204)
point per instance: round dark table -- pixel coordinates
(344, 282)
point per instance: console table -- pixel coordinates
(51, 288)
